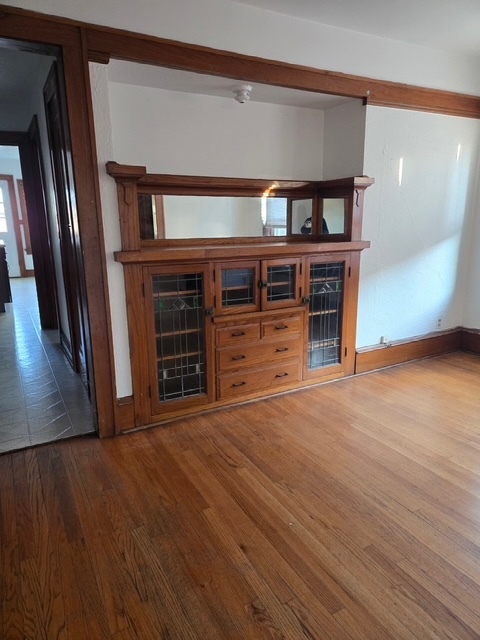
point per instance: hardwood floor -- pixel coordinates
(346, 511)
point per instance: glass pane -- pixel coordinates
(302, 216)
(334, 215)
(325, 314)
(238, 287)
(281, 282)
(174, 217)
(180, 339)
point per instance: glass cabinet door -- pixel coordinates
(281, 283)
(236, 287)
(176, 316)
(325, 314)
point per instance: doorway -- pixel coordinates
(47, 395)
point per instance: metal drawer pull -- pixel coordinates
(281, 350)
(237, 335)
(281, 375)
(281, 326)
(238, 384)
(238, 357)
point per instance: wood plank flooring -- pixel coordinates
(347, 511)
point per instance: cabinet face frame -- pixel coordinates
(160, 409)
(347, 344)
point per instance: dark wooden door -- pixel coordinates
(73, 336)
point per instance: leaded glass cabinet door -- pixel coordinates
(326, 315)
(281, 283)
(236, 286)
(178, 303)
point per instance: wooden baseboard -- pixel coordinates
(381, 356)
(470, 340)
(124, 414)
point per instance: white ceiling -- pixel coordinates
(448, 25)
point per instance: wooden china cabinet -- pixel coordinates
(230, 295)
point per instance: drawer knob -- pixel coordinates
(238, 357)
(279, 327)
(238, 334)
(281, 350)
(281, 375)
(239, 384)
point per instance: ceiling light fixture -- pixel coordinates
(242, 93)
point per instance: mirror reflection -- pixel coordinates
(178, 217)
(174, 217)
(334, 215)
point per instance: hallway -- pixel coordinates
(41, 397)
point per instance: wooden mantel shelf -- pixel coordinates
(214, 252)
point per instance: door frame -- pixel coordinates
(32, 32)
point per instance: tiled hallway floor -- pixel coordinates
(41, 397)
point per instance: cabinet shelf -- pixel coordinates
(179, 356)
(175, 294)
(323, 313)
(177, 332)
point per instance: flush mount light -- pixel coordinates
(242, 93)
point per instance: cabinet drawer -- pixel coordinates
(282, 327)
(263, 352)
(238, 333)
(247, 382)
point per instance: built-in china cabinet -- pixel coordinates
(236, 289)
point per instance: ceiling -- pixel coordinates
(448, 25)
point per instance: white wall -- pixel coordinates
(235, 27)
(344, 132)
(471, 318)
(10, 166)
(416, 269)
(182, 133)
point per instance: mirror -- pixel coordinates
(174, 217)
(334, 215)
(302, 211)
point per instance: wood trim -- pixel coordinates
(20, 28)
(381, 356)
(103, 43)
(470, 340)
(126, 45)
(238, 251)
(24, 220)
(124, 414)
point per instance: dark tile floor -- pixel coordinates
(41, 397)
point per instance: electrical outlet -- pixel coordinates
(439, 323)
(384, 340)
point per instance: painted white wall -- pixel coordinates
(471, 318)
(344, 140)
(416, 269)
(182, 133)
(108, 194)
(235, 27)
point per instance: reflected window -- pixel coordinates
(276, 217)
